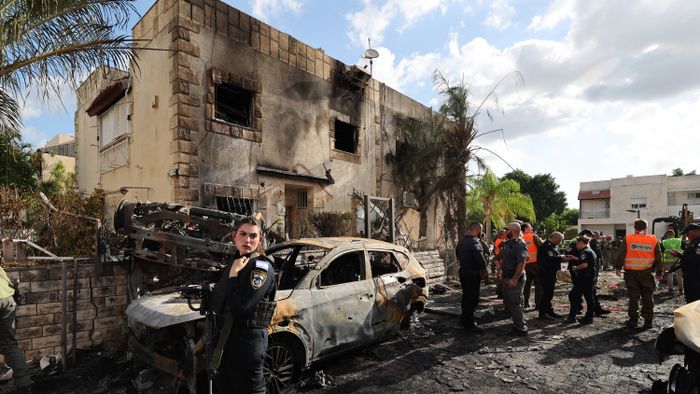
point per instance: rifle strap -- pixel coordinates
(218, 352)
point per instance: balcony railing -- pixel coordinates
(589, 214)
(114, 156)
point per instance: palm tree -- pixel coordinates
(499, 201)
(48, 42)
(434, 157)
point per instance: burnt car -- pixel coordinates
(337, 294)
(334, 294)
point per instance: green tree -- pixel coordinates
(60, 181)
(434, 154)
(677, 172)
(46, 43)
(16, 169)
(497, 201)
(562, 222)
(543, 190)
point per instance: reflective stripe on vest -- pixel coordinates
(531, 247)
(640, 252)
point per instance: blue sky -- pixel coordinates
(606, 82)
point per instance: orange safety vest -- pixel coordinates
(640, 252)
(497, 245)
(531, 247)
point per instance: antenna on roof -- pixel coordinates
(370, 54)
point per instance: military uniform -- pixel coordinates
(470, 254)
(690, 264)
(514, 253)
(640, 282)
(247, 300)
(549, 261)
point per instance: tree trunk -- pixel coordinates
(461, 209)
(488, 228)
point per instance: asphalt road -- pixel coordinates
(437, 356)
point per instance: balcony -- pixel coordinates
(115, 155)
(590, 214)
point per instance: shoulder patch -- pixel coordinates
(697, 251)
(262, 264)
(550, 253)
(257, 278)
(477, 246)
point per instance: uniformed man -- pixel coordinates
(487, 253)
(583, 272)
(549, 260)
(690, 262)
(514, 254)
(245, 298)
(594, 244)
(670, 262)
(640, 256)
(8, 343)
(531, 268)
(472, 269)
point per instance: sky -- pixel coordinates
(608, 88)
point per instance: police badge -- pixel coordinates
(257, 278)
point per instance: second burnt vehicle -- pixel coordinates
(334, 294)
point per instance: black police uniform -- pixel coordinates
(690, 264)
(583, 281)
(471, 261)
(549, 261)
(248, 300)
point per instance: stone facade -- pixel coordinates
(100, 307)
(309, 115)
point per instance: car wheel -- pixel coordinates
(280, 366)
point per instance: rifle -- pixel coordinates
(203, 292)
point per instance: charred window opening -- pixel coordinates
(383, 263)
(344, 269)
(345, 137)
(233, 105)
(423, 225)
(241, 206)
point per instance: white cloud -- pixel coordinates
(558, 11)
(373, 19)
(500, 15)
(35, 137)
(594, 102)
(264, 9)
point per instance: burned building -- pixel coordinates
(224, 111)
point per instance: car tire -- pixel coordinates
(282, 365)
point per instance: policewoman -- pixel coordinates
(244, 303)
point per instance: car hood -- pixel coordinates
(162, 310)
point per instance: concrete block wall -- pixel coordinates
(100, 307)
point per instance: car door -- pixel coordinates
(343, 299)
(391, 298)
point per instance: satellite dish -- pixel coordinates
(370, 54)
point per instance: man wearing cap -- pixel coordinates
(690, 263)
(641, 257)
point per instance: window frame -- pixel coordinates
(363, 269)
(251, 104)
(394, 262)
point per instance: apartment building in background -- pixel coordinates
(60, 148)
(612, 205)
(227, 112)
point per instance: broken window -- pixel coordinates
(383, 263)
(344, 269)
(233, 105)
(423, 225)
(292, 263)
(345, 137)
(241, 206)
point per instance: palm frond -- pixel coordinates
(10, 115)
